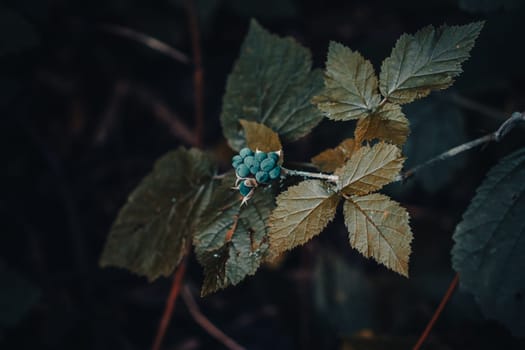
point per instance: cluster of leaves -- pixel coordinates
(273, 94)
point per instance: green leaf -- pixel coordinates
(379, 228)
(350, 85)
(490, 241)
(333, 158)
(370, 168)
(436, 126)
(343, 295)
(260, 137)
(152, 230)
(387, 124)
(272, 84)
(302, 212)
(231, 240)
(428, 60)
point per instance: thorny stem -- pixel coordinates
(438, 311)
(496, 136)
(205, 323)
(291, 172)
(170, 305)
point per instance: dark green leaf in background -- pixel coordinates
(436, 126)
(489, 244)
(343, 296)
(428, 60)
(271, 83)
(231, 241)
(151, 233)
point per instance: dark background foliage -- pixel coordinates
(83, 119)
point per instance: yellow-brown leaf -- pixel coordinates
(302, 212)
(333, 158)
(379, 228)
(259, 136)
(387, 124)
(370, 168)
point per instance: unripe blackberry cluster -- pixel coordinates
(254, 168)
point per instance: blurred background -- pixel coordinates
(87, 106)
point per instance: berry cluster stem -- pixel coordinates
(291, 172)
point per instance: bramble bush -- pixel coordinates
(246, 217)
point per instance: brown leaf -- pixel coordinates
(333, 158)
(259, 136)
(379, 228)
(387, 124)
(302, 212)
(370, 168)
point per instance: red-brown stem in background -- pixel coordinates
(438, 311)
(198, 74)
(170, 304)
(205, 323)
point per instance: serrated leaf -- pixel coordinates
(370, 168)
(302, 212)
(387, 124)
(379, 228)
(231, 240)
(260, 137)
(490, 241)
(350, 85)
(271, 83)
(150, 235)
(428, 60)
(333, 158)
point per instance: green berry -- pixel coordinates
(254, 169)
(275, 172)
(236, 161)
(243, 170)
(274, 156)
(267, 164)
(245, 152)
(248, 161)
(262, 177)
(260, 156)
(244, 190)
